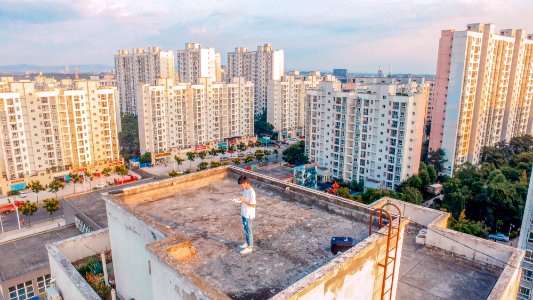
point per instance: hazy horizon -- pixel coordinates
(315, 35)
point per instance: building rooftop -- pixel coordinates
(291, 232)
(90, 207)
(29, 254)
(279, 172)
(422, 272)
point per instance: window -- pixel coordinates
(529, 256)
(21, 291)
(42, 283)
(527, 275)
(530, 237)
(523, 293)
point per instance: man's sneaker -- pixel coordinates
(242, 246)
(246, 250)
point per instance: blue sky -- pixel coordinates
(316, 35)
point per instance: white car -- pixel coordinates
(101, 185)
(22, 194)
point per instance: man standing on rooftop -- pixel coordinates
(247, 213)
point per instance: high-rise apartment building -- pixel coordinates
(260, 67)
(174, 117)
(64, 126)
(196, 62)
(483, 91)
(286, 103)
(137, 67)
(372, 133)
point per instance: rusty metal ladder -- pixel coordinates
(393, 237)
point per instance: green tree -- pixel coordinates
(215, 164)
(523, 176)
(29, 209)
(259, 155)
(13, 193)
(178, 161)
(412, 195)
(437, 159)
(107, 171)
(470, 227)
(213, 152)
(236, 161)
(432, 173)
(55, 186)
(241, 146)
(202, 155)
(36, 187)
(222, 150)
(344, 192)
(146, 157)
(248, 158)
(190, 156)
(424, 178)
(261, 126)
(415, 182)
(494, 156)
(76, 178)
(51, 205)
(173, 173)
(295, 154)
(121, 170)
(129, 137)
(203, 166)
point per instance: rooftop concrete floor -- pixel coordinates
(427, 275)
(29, 254)
(290, 239)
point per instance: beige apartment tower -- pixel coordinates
(196, 62)
(181, 116)
(55, 127)
(137, 67)
(483, 91)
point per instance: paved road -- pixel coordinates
(10, 221)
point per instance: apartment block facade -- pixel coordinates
(286, 103)
(483, 91)
(260, 67)
(181, 116)
(196, 62)
(372, 133)
(137, 67)
(67, 126)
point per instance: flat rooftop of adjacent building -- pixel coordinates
(292, 230)
(277, 171)
(22, 256)
(427, 274)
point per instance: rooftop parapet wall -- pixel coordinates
(162, 205)
(474, 249)
(69, 281)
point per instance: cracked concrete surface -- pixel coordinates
(291, 239)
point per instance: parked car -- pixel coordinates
(224, 158)
(241, 155)
(499, 237)
(101, 185)
(22, 194)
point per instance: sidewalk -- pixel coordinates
(34, 229)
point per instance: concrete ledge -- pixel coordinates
(38, 228)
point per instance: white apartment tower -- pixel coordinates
(196, 62)
(373, 133)
(286, 103)
(55, 128)
(483, 91)
(259, 66)
(180, 116)
(137, 67)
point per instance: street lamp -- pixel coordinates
(510, 227)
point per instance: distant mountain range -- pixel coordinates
(21, 69)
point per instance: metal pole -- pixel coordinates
(2, 224)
